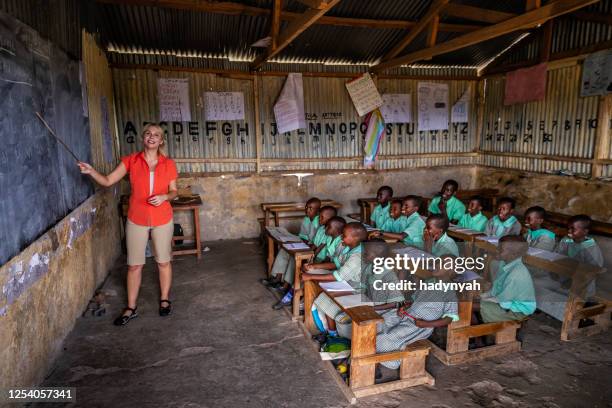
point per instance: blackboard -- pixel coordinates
(39, 181)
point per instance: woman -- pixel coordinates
(153, 185)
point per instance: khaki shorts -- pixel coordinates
(137, 237)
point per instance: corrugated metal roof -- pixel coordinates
(143, 29)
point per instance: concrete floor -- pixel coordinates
(225, 347)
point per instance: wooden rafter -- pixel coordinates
(275, 25)
(233, 8)
(524, 21)
(546, 40)
(476, 13)
(295, 28)
(432, 33)
(313, 4)
(416, 30)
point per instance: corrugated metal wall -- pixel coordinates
(545, 136)
(333, 140)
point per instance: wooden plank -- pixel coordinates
(486, 328)
(363, 343)
(314, 4)
(432, 34)
(275, 25)
(602, 136)
(476, 13)
(433, 11)
(532, 4)
(257, 124)
(546, 41)
(472, 356)
(295, 28)
(426, 379)
(522, 22)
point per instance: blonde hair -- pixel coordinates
(162, 147)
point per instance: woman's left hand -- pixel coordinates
(157, 200)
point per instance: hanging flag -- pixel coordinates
(374, 133)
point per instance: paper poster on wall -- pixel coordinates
(526, 85)
(364, 94)
(397, 108)
(460, 111)
(433, 106)
(597, 74)
(223, 106)
(173, 95)
(289, 108)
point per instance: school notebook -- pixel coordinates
(339, 286)
(349, 301)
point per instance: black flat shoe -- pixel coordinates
(124, 319)
(165, 311)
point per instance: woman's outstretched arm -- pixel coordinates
(104, 180)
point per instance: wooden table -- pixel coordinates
(274, 210)
(468, 237)
(575, 309)
(182, 203)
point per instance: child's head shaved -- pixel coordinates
(452, 183)
(336, 223)
(314, 201)
(357, 230)
(537, 211)
(329, 211)
(507, 200)
(583, 220)
(376, 248)
(514, 246)
(386, 189)
(439, 221)
(414, 200)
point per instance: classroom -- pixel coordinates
(306, 203)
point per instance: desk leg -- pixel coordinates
(196, 225)
(297, 284)
(363, 343)
(276, 219)
(311, 291)
(266, 217)
(270, 254)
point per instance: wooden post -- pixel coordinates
(270, 254)
(196, 226)
(480, 101)
(363, 343)
(602, 136)
(311, 291)
(257, 130)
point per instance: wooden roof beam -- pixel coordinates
(476, 13)
(275, 24)
(522, 22)
(295, 28)
(232, 8)
(433, 11)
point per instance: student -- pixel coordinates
(474, 218)
(348, 269)
(445, 202)
(317, 244)
(372, 284)
(396, 222)
(504, 223)
(381, 211)
(308, 229)
(512, 296)
(579, 246)
(415, 321)
(435, 239)
(413, 224)
(536, 236)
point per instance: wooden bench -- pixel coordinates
(363, 350)
(274, 210)
(458, 334)
(575, 309)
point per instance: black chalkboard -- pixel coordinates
(39, 181)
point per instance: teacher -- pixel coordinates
(153, 185)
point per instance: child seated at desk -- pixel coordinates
(474, 219)
(504, 223)
(436, 241)
(415, 321)
(317, 244)
(347, 267)
(373, 284)
(381, 211)
(579, 246)
(512, 296)
(536, 236)
(308, 229)
(409, 227)
(445, 202)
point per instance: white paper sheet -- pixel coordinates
(289, 108)
(173, 96)
(544, 254)
(397, 108)
(223, 106)
(492, 240)
(296, 247)
(433, 106)
(337, 286)
(461, 108)
(350, 301)
(597, 74)
(364, 94)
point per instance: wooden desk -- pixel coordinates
(275, 209)
(466, 236)
(181, 203)
(363, 350)
(575, 309)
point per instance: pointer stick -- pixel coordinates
(55, 136)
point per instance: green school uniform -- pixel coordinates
(445, 245)
(395, 226)
(350, 266)
(498, 228)
(320, 238)
(476, 223)
(541, 239)
(331, 249)
(414, 231)
(380, 214)
(587, 251)
(308, 229)
(454, 207)
(513, 288)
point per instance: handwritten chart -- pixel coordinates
(364, 94)
(433, 106)
(397, 108)
(223, 105)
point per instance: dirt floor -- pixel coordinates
(224, 346)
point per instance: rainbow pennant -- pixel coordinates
(376, 128)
